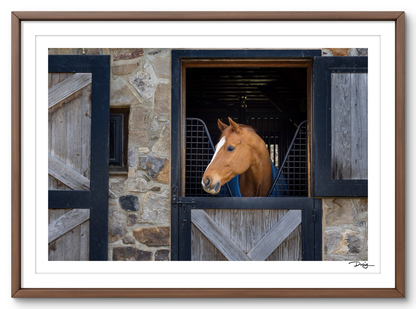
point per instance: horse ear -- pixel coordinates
(222, 126)
(234, 125)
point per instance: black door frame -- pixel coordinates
(181, 206)
(96, 199)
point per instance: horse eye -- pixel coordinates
(230, 148)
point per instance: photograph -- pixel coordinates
(213, 155)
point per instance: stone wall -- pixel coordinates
(345, 220)
(139, 217)
(345, 229)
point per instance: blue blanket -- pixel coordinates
(235, 187)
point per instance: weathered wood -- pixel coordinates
(86, 131)
(67, 222)
(359, 126)
(279, 232)
(85, 241)
(67, 87)
(67, 175)
(217, 236)
(202, 248)
(341, 125)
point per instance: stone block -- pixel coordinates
(162, 255)
(131, 157)
(131, 254)
(124, 69)
(139, 118)
(121, 95)
(162, 146)
(154, 124)
(340, 51)
(153, 236)
(118, 186)
(339, 211)
(129, 202)
(144, 83)
(156, 207)
(157, 168)
(137, 185)
(140, 138)
(161, 65)
(361, 204)
(343, 241)
(131, 219)
(162, 99)
(126, 53)
(116, 228)
(359, 52)
(144, 150)
(128, 240)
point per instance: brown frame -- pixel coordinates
(398, 17)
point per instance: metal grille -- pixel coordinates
(292, 179)
(199, 151)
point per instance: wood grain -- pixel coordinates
(67, 175)
(341, 125)
(67, 222)
(359, 126)
(68, 87)
(277, 234)
(217, 236)
(208, 16)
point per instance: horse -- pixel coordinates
(242, 152)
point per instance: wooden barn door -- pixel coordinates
(340, 126)
(78, 112)
(247, 229)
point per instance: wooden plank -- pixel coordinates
(276, 235)
(202, 249)
(217, 236)
(341, 125)
(85, 241)
(86, 131)
(69, 177)
(359, 126)
(72, 245)
(68, 87)
(67, 222)
(222, 218)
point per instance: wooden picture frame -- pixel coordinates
(397, 17)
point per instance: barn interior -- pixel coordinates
(272, 100)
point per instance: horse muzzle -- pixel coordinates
(211, 187)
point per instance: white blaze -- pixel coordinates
(219, 145)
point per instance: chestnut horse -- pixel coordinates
(242, 152)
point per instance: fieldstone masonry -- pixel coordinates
(139, 211)
(345, 229)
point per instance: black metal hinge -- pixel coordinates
(313, 215)
(177, 201)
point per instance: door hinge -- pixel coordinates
(313, 215)
(177, 201)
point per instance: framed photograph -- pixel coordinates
(208, 154)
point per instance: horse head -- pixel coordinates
(233, 155)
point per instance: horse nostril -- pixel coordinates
(207, 182)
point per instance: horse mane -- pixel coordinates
(245, 127)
